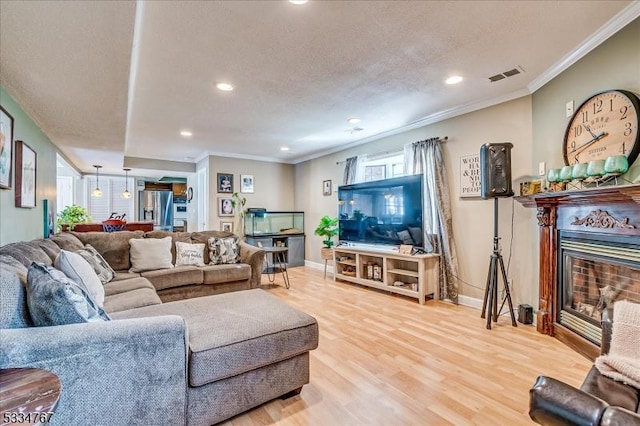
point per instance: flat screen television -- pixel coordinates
(382, 212)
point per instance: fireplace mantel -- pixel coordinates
(608, 210)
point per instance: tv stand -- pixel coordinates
(386, 269)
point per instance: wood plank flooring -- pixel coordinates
(386, 360)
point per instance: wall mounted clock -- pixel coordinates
(604, 125)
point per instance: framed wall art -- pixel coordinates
(6, 148)
(225, 206)
(246, 184)
(326, 187)
(225, 183)
(25, 175)
(226, 226)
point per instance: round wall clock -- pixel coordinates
(606, 124)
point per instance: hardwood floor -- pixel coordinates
(386, 360)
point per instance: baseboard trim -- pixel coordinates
(319, 266)
(471, 302)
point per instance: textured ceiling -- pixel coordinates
(299, 71)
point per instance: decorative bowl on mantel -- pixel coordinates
(596, 168)
(579, 171)
(566, 173)
(616, 165)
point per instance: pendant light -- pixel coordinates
(126, 193)
(97, 192)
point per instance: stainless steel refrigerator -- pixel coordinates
(156, 207)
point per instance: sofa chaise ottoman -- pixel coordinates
(197, 361)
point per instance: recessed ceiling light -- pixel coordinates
(353, 120)
(453, 79)
(186, 133)
(298, 2)
(284, 148)
(225, 87)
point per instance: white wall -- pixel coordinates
(472, 218)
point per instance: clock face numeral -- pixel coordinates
(604, 125)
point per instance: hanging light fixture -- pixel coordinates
(97, 192)
(126, 193)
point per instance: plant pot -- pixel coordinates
(326, 253)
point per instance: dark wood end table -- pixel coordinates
(28, 396)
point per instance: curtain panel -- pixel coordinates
(426, 157)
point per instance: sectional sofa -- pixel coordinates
(185, 346)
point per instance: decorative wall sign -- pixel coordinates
(25, 175)
(470, 176)
(6, 148)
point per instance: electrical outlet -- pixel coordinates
(542, 168)
(569, 109)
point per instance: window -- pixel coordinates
(100, 208)
(388, 166)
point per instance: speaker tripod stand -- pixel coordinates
(490, 309)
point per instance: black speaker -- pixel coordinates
(525, 314)
(495, 170)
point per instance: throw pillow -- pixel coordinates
(223, 250)
(150, 254)
(79, 270)
(54, 299)
(95, 259)
(189, 254)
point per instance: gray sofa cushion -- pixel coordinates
(130, 300)
(216, 274)
(113, 246)
(54, 299)
(233, 333)
(67, 241)
(80, 271)
(125, 275)
(14, 312)
(26, 252)
(175, 277)
(123, 286)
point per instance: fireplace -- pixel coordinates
(593, 273)
(589, 257)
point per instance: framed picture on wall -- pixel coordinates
(6, 148)
(226, 226)
(225, 183)
(246, 184)
(326, 187)
(225, 206)
(25, 176)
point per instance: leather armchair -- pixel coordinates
(599, 401)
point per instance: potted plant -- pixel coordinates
(328, 228)
(70, 216)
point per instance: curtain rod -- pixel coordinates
(442, 139)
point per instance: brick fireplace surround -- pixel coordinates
(589, 244)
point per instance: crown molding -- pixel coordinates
(615, 24)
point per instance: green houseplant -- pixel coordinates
(70, 216)
(327, 228)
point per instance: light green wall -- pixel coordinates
(19, 224)
(615, 64)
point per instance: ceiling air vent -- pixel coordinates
(505, 74)
(354, 130)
